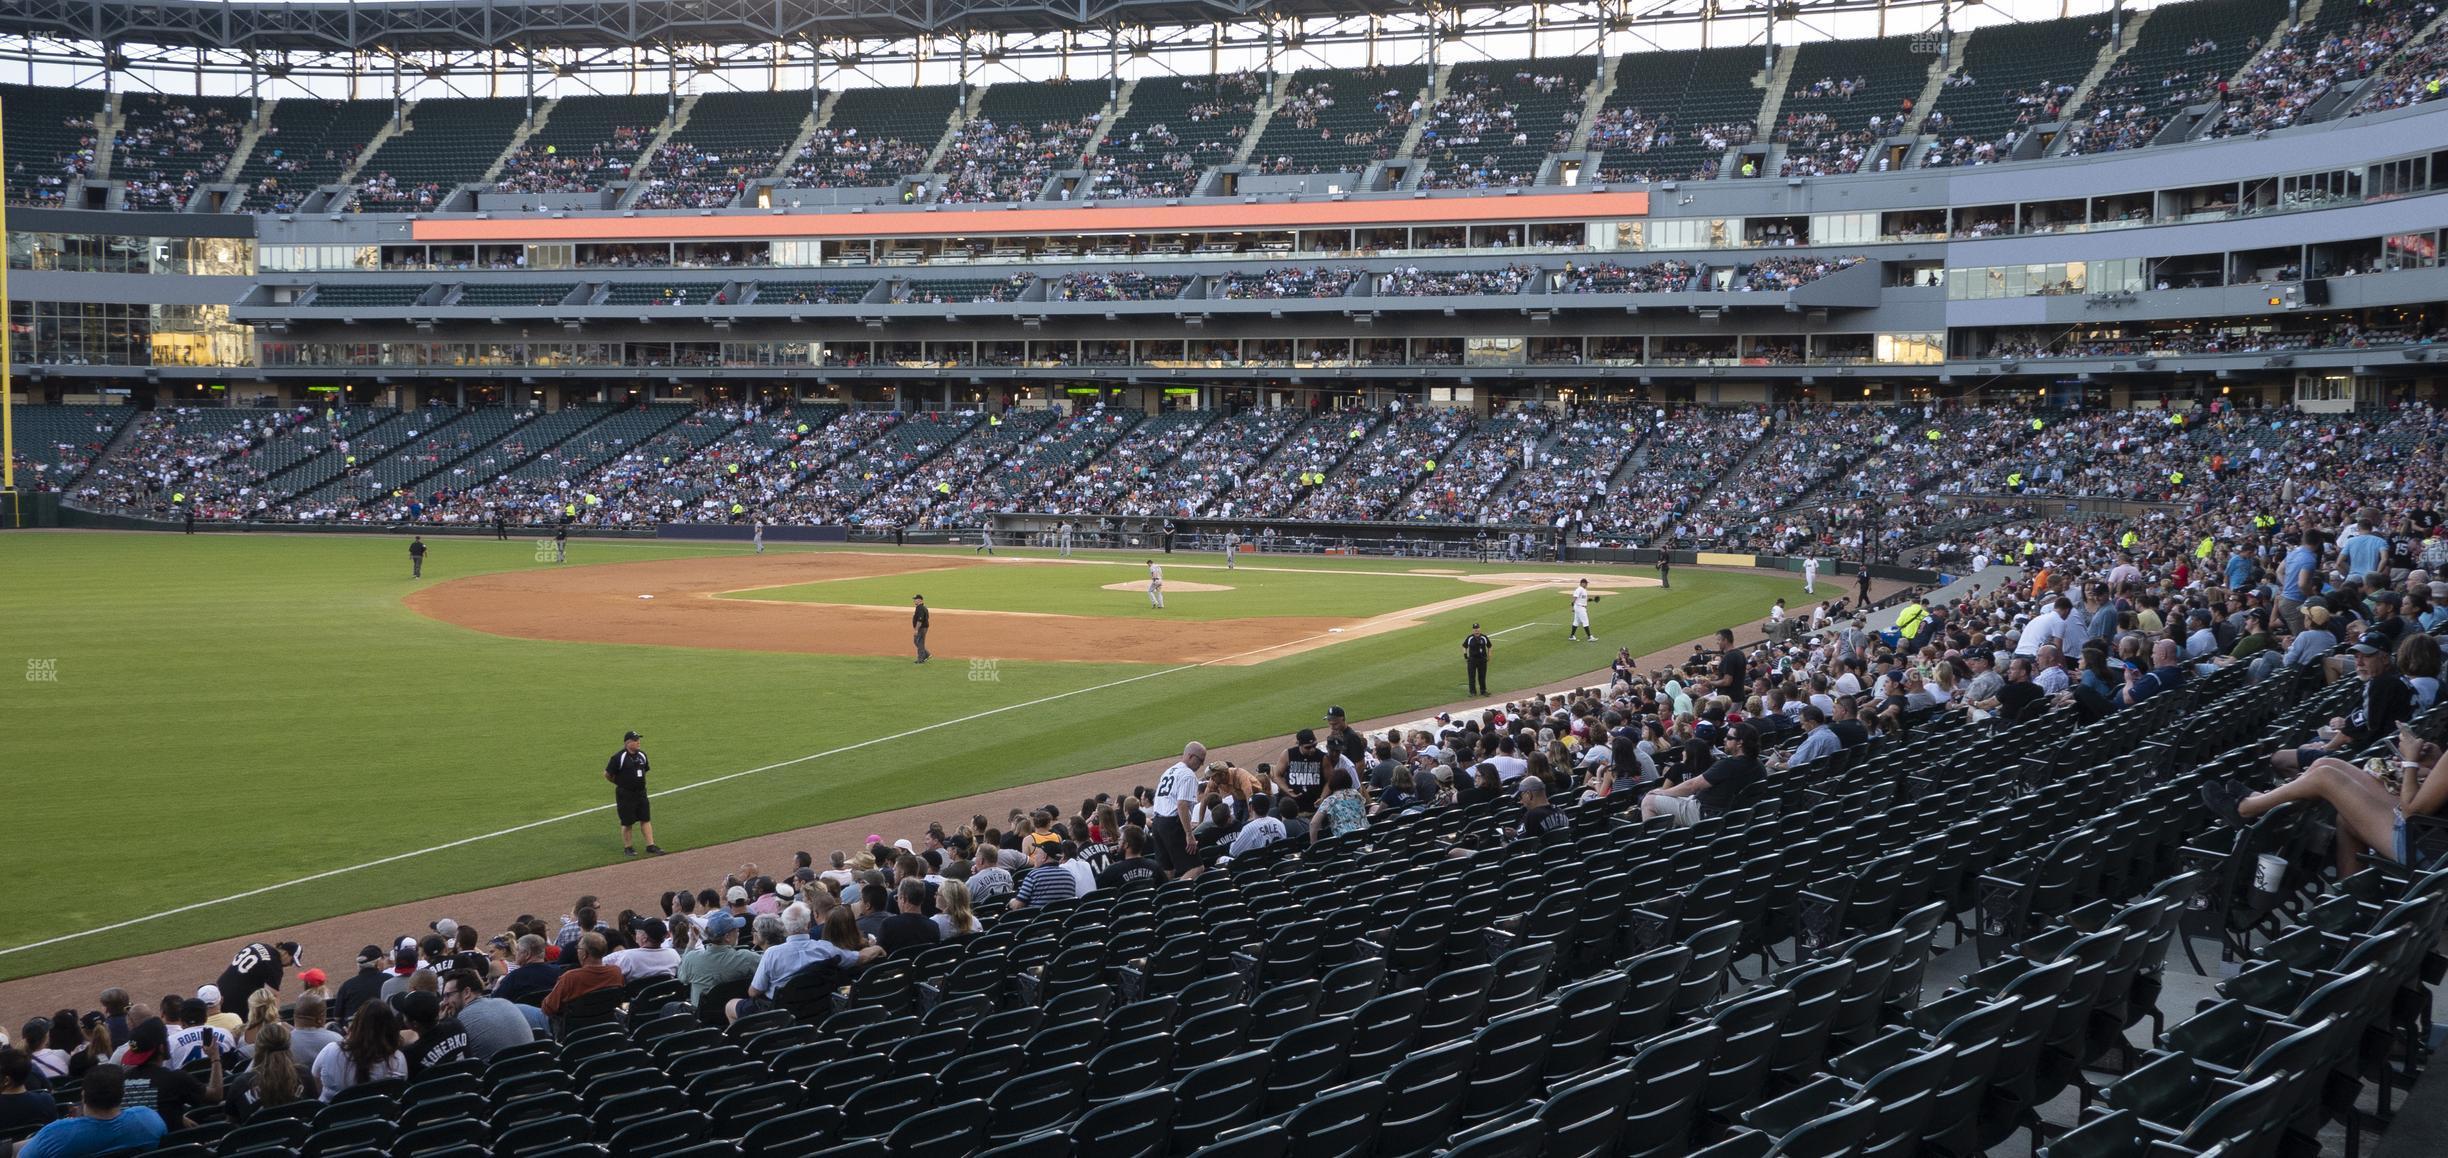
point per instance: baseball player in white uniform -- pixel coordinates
(1581, 598)
(1232, 548)
(1810, 574)
(985, 539)
(1155, 585)
(1063, 538)
(760, 536)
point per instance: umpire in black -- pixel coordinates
(918, 626)
(1475, 648)
(627, 772)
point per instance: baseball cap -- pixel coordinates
(447, 927)
(722, 925)
(1305, 736)
(628, 736)
(784, 890)
(2369, 649)
(296, 952)
(738, 895)
(209, 994)
(1335, 713)
(904, 845)
(312, 978)
(370, 955)
(421, 1007)
(146, 1042)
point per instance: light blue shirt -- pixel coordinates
(790, 958)
(2364, 554)
(2290, 573)
(136, 1127)
(1822, 741)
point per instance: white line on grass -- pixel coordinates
(518, 828)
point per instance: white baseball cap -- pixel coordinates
(209, 994)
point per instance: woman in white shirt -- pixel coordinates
(369, 1053)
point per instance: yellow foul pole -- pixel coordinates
(8, 409)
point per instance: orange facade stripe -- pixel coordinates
(1070, 219)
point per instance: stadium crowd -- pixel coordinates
(2332, 581)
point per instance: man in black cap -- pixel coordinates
(366, 986)
(627, 772)
(1475, 648)
(918, 625)
(416, 557)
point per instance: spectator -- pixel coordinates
(1261, 829)
(310, 1034)
(1714, 790)
(104, 1123)
(1046, 883)
(718, 960)
(371, 1052)
(432, 1036)
(2371, 813)
(592, 974)
(276, 1078)
(529, 978)
(2387, 701)
(955, 917)
(23, 1108)
(153, 1083)
(1342, 809)
(366, 986)
(908, 926)
(649, 957)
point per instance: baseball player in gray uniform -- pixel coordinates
(1155, 585)
(1232, 549)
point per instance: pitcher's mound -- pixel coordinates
(1172, 586)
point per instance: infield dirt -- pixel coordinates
(602, 604)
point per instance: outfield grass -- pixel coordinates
(235, 712)
(1077, 587)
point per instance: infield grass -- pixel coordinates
(1078, 587)
(226, 713)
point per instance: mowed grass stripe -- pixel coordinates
(1079, 588)
(238, 712)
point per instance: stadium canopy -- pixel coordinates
(398, 49)
(461, 25)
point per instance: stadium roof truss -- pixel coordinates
(578, 38)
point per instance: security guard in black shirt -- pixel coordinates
(1475, 648)
(627, 772)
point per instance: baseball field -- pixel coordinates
(224, 733)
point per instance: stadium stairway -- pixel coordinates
(391, 128)
(518, 140)
(817, 119)
(1915, 140)
(644, 164)
(968, 112)
(2110, 53)
(248, 138)
(1115, 110)
(1599, 90)
(1772, 102)
(107, 124)
(1266, 114)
